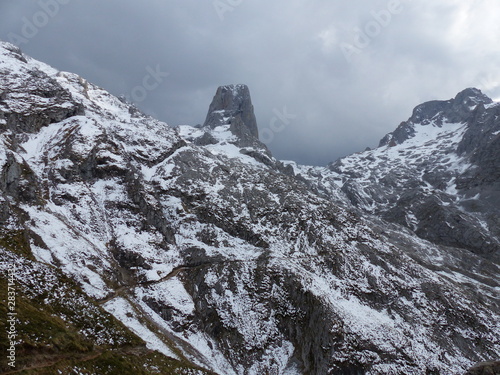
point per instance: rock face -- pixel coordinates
(47, 102)
(231, 126)
(232, 105)
(223, 258)
(230, 119)
(486, 368)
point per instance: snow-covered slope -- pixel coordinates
(438, 174)
(215, 253)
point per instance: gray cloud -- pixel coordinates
(288, 52)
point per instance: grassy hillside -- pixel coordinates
(62, 331)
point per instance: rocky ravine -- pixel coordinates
(219, 256)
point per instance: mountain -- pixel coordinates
(140, 248)
(437, 174)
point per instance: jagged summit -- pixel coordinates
(438, 112)
(452, 110)
(474, 95)
(230, 126)
(232, 104)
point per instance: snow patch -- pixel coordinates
(123, 311)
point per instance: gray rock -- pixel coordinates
(29, 106)
(232, 105)
(403, 132)
(205, 139)
(19, 182)
(438, 111)
(485, 368)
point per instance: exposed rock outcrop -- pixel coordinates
(485, 368)
(232, 105)
(29, 105)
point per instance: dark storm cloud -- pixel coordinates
(327, 78)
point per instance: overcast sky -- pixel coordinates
(327, 77)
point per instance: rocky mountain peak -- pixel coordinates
(232, 104)
(471, 97)
(230, 125)
(437, 113)
(437, 173)
(453, 110)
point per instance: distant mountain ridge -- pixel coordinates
(437, 111)
(443, 179)
(437, 174)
